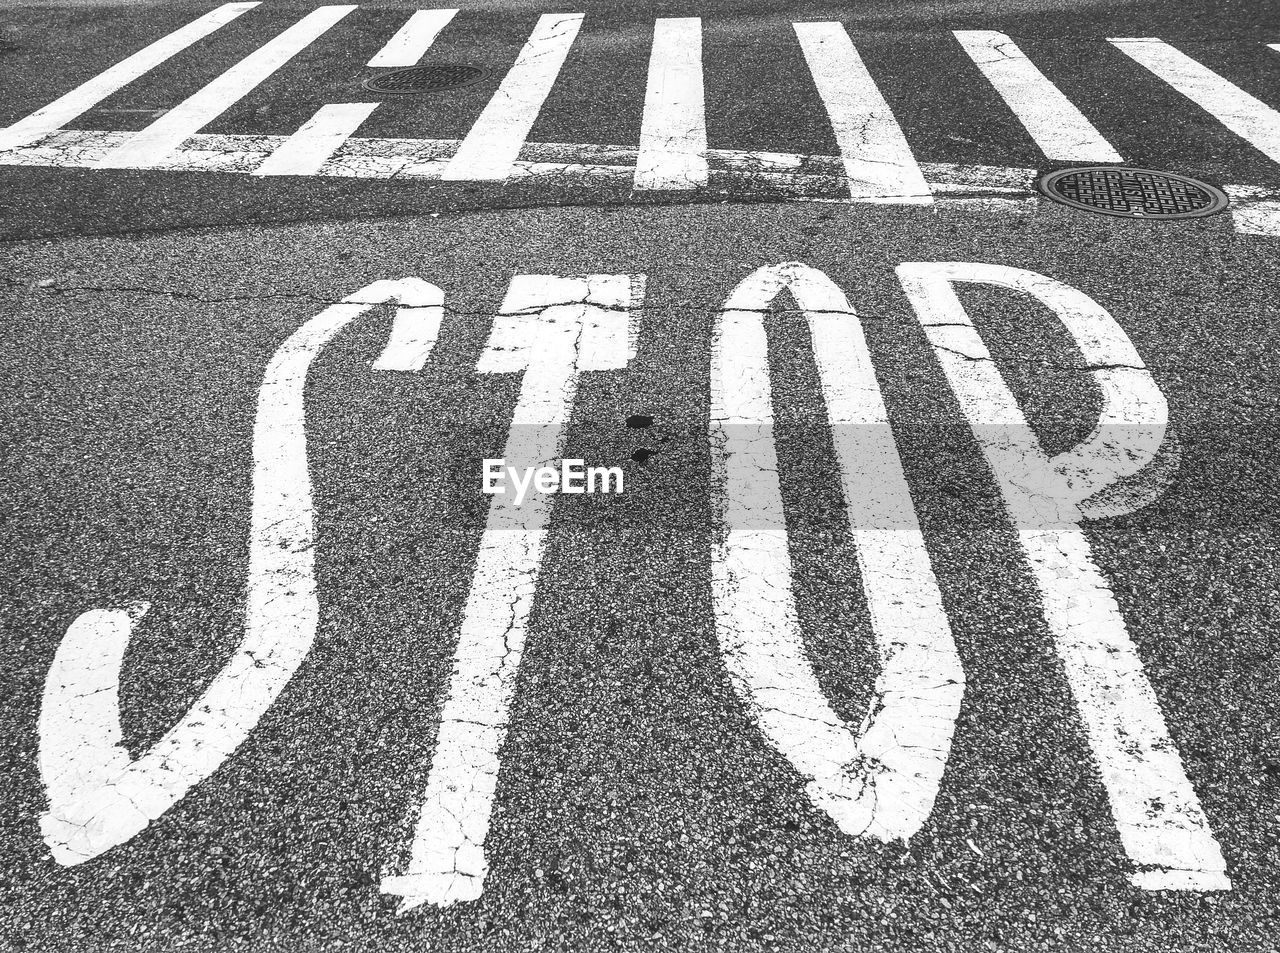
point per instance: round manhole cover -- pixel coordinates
(1133, 193)
(426, 79)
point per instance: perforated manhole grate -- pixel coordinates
(426, 79)
(1133, 193)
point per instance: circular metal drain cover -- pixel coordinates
(1133, 193)
(426, 79)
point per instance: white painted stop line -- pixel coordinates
(98, 796)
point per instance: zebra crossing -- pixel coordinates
(874, 159)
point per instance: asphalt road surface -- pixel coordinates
(919, 591)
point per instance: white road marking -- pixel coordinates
(490, 149)
(813, 178)
(551, 329)
(413, 40)
(1248, 117)
(1255, 210)
(87, 95)
(881, 778)
(379, 158)
(878, 161)
(1156, 811)
(320, 137)
(1058, 127)
(153, 145)
(98, 796)
(414, 329)
(673, 132)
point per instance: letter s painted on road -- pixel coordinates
(98, 796)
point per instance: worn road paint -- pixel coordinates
(414, 330)
(878, 161)
(491, 147)
(1254, 210)
(413, 39)
(87, 95)
(673, 131)
(1246, 116)
(151, 146)
(99, 796)
(1161, 824)
(788, 173)
(320, 137)
(880, 779)
(789, 176)
(551, 329)
(1058, 127)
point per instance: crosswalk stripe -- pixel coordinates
(87, 95)
(875, 163)
(413, 39)
(320, 137)
(878, 161)
(673, 133)
(1248, 117)
(1058, 127)
(491, 147)
(154, 144)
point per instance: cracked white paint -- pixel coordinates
(878, 161)
(1159, 818)
(491, 147)
(673, 132)
(317, 150)
(412, 40)
(1058, 127)
(320, 137)
(880, 779)
(1245, 115)
(98, 795)
(550, 329)
(1255, 210)
(151, 146)
(84, 97)
(801, 176)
